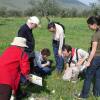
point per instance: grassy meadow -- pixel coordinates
(77, 34)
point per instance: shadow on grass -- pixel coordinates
(38, 89)
(35, 90)
(1, 24)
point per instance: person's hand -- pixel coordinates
(48, 63)
(59, 52)
(80, 62)
(87, 64)
(29, 77)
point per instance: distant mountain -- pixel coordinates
(72, 4)
(15, 4)
(24, 4)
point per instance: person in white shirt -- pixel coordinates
(57, 30)
(75, 58)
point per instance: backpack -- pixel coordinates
(61, 26)
(77, 55)
(77, 58)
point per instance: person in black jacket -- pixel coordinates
(25, 31)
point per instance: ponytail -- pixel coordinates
(98, 20)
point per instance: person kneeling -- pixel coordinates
(41, 63)
(75, 59)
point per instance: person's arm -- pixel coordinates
(39, 64)
(83, 55)
(38, 59)
(46, 64)
(24, 64)
(22, 32)
(61, 43)
(92, 53)
(80, 62)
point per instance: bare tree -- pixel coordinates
(45, 7)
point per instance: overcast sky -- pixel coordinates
(87, 1)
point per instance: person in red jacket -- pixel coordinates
(13, 62)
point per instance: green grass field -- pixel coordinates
(77, 34)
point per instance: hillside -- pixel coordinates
(15, 4)
(24, 4)
(72, 3)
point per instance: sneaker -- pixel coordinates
(74, 80)
(78, 97)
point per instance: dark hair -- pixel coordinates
(94, 20)
(45, 51)
(52, 24)
(67, 47)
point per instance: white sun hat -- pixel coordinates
(19, 41)
(34, 19)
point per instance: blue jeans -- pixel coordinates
(92, 72)
(23, 79)
(43, 71)
(59, 60)
(46, 70)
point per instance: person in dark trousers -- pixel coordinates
(14, 62)
(93, 62)
(25, 31)
(57, 43)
